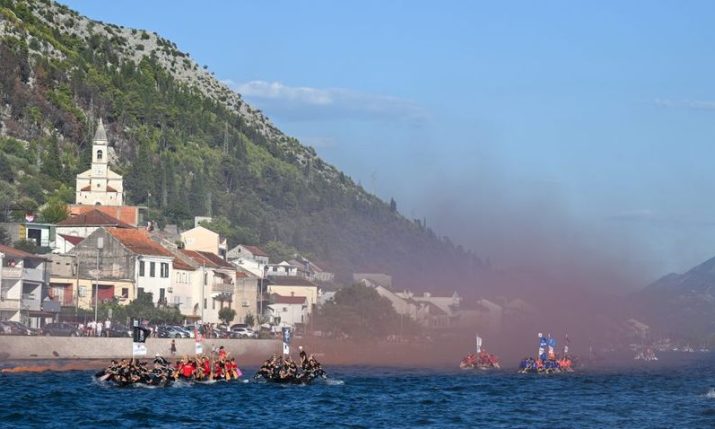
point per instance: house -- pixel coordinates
(213, 284)
(310, 270)
(284, 269)
(481, 315)
(85, 223)
(402, 306)
(245, 299)
(184, 278)
(287, 310)
(126, 263)
(24, 291)
(74, 229)
(294, 287)
(250, 258)
(152, 262)
(377, 278)
(201, 239)
(41, 234)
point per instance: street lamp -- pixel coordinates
(100, 246)
(203, 287)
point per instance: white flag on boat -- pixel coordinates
(479, 344)
(138, 349)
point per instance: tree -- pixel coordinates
(4, 236)
(278, 251)
(249, 320)
(393, 205)
(227, 314)
(28, 246)
(55, 211)
(359, 311)
(52, 163)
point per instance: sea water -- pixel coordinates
(369, 397)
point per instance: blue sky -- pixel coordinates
(581, 127)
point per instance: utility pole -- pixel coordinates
(100, 246)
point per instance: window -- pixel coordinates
(152, 269)
(99, 155)
(141, 268)
(125, 292)
(140, 290)
(213, 304)
(275, 269)
(206, 280)
(162, 294)
(164, 270)
(205, 303)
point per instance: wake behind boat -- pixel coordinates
(284, 370)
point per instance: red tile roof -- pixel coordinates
(208, 259)
(110, 189)
(256, 251)
(181, 265)
(72, 239)
(86, 188)
(15, 253)
(127, 214)
(93, 217)
(280, 299)
(138, 241)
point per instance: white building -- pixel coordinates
(294, 287)
(288, 310)
(99, 185)
(24, 291)
(251, 258)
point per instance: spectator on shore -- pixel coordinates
(173, 347)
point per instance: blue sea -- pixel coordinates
(369, 397)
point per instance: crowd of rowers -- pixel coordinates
(481, 360)
(285, 370)
(129, 372)
(550, 365)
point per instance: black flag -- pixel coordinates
(140, 334)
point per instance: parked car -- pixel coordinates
(187, 331)
(243, 333)
(59, 330)
(170, 332)
(239, 325)
(118, 330)
(9, 327)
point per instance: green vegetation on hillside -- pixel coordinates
(184, 154)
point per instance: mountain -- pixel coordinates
(680, 303)
(187, 145)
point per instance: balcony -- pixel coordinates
(34, 275)
(11, 273)
(222, 287)
(9, 304)
(30, 301)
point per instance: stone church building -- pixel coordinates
(100, 186)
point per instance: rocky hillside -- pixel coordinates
(187, 145)
(680, 303)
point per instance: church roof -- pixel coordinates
(100, 134)
(93, 217)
